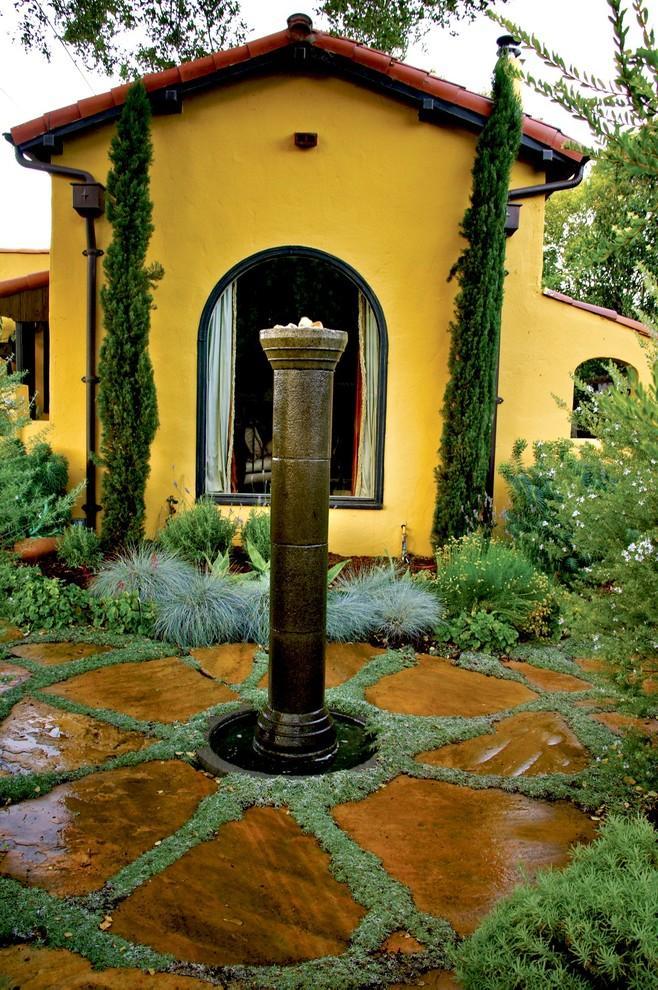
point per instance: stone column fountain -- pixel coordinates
(295, 733)
(296, 726)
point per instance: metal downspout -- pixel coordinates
(92, 253)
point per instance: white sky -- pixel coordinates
(30, 86)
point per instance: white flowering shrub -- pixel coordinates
(617, 526)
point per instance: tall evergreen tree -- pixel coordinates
(126, 399)
(469, 398)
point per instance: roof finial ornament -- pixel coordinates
(300, 24)
(508, 45)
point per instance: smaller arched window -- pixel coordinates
(593, 377)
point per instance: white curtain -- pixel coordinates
(369, 363)
(220, 399)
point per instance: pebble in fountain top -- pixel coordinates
(304, 322)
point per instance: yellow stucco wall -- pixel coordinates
(384, 193)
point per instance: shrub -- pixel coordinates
(256, 531)
(80, 547)
(206, 610)
(626, 778)
(478, 575)
(483, 631)
(593, 924)
(198, 533)
(27, 598)
(144, 570)
(540, 518)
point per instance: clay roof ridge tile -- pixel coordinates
(603, 311)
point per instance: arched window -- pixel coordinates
(235, 379)
(593, 377)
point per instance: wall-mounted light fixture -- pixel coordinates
(513, 218)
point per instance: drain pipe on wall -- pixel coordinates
(88, 202)
(525, 192)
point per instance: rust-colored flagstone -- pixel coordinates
(529, 743)
(260, 892)
(438, 687)
(459, 850)
(53, 653)
(591, 665)
(8, 633)
(548, 680)
(38, 738)
(157, 690)
(402, 942)
(25, 967)
(230, 662)
(620, 723)
(343, 660)
(11, 675)
(73, 839)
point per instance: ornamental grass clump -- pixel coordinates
(205, 611)
(475, 574)
(150, 573)
(255, 609)
(198, 534)
(593, 924)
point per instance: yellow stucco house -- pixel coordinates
(303, 174)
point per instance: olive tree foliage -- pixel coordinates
(129, 36)
(136, 36)
(391, 25)
(621, 112)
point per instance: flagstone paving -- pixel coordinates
(71, 840)
(437, 687)
(529, 743)
(37, 737)
(159, 690)
(135, 869)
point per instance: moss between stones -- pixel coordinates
(30, 914)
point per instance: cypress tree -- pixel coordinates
(127, 399)
(469, 399)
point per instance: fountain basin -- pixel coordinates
(230, 748)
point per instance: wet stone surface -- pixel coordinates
(11, 675)
(25, 967)
(7, 633)
(156, 690)
(230, 662)
(72, 839)
(435, 979)
(529, 743)
(260, 892)
(36, 738)
(50, 654)
(620, 723)
(548, 680)
(403, 943)
(437, 687)
(343, 660)
(459, 850)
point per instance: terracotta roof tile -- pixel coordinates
(371, 58)
(24, 283)
(607, 314)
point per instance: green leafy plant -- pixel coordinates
(127, 403)
(592, 924)
(144, 570)
(483, 631)
(33, 496)
(198, 533)
(468, 405)
(80, 547)
(256, 532)
(474, 575)
(540, 517)
(626, 777)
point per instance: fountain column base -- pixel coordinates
(297, 738)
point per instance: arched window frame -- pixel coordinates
(299, 251)
(622, 365)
